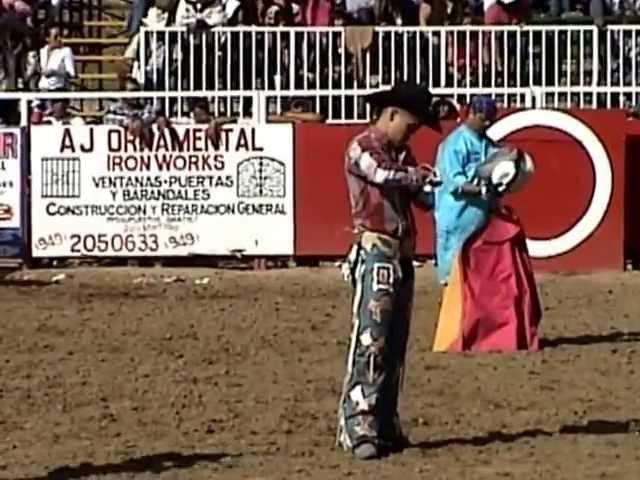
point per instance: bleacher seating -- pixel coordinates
(328, 69)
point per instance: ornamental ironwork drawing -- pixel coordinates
(261, 177)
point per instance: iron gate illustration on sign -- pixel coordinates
(261, 177)
(60, 177)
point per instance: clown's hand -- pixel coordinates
(500, 188)
(483, 188)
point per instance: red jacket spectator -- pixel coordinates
(21, 7)
(506, 12)
(318, 13)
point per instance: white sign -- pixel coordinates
(98, 191)
(10, 179)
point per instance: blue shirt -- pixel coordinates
(456, 216)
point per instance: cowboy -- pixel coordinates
(384, 181)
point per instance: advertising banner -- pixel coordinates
(10, 193)
(99, 191)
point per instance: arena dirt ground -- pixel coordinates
(117, 374)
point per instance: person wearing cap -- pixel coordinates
(383, 180)
(490, 300)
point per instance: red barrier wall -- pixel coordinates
(550, 205)
(632, 205)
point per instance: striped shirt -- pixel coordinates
(382, 182)
(119, 114)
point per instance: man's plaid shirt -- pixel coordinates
(120, 113)
(382, 182)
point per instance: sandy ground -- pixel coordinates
(112, 375)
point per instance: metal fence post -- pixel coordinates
(24, 110)
(260, 114)
(535, 97)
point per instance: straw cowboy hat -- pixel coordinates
(413, 98)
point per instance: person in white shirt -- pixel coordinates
(59, 115)
(57, 63)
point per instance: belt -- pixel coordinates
(393, 247)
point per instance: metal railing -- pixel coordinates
(258, 106)
(253, 72)
(176, 105)
(457, 61)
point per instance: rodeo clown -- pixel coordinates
(383, 180)
(490, 301)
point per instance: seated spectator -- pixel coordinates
(126, 109)
(360, 12)
(317, 13)
(281, 13)
(446, 109)
(339, 17)
(433, 12)
(30, 64)
(154, 18)
(200, 15)
(559, 7)
(293, 110)
(242, 12)
(57, 64)
(506, 12)
(201, 115)
(598, 9)
(60, 115)
(15, 36)
(409, 12)
(21, 8)
(53, 11)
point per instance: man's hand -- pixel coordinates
(429, 174)
(213, 131)
(163, 123)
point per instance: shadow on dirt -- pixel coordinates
(614, 337)
(591, 427)
(8, 282)
(158, 463)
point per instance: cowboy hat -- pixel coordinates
(413, 98)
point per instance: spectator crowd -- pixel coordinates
(213, 13)
(33, 56)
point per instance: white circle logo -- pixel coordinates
(603, 174)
